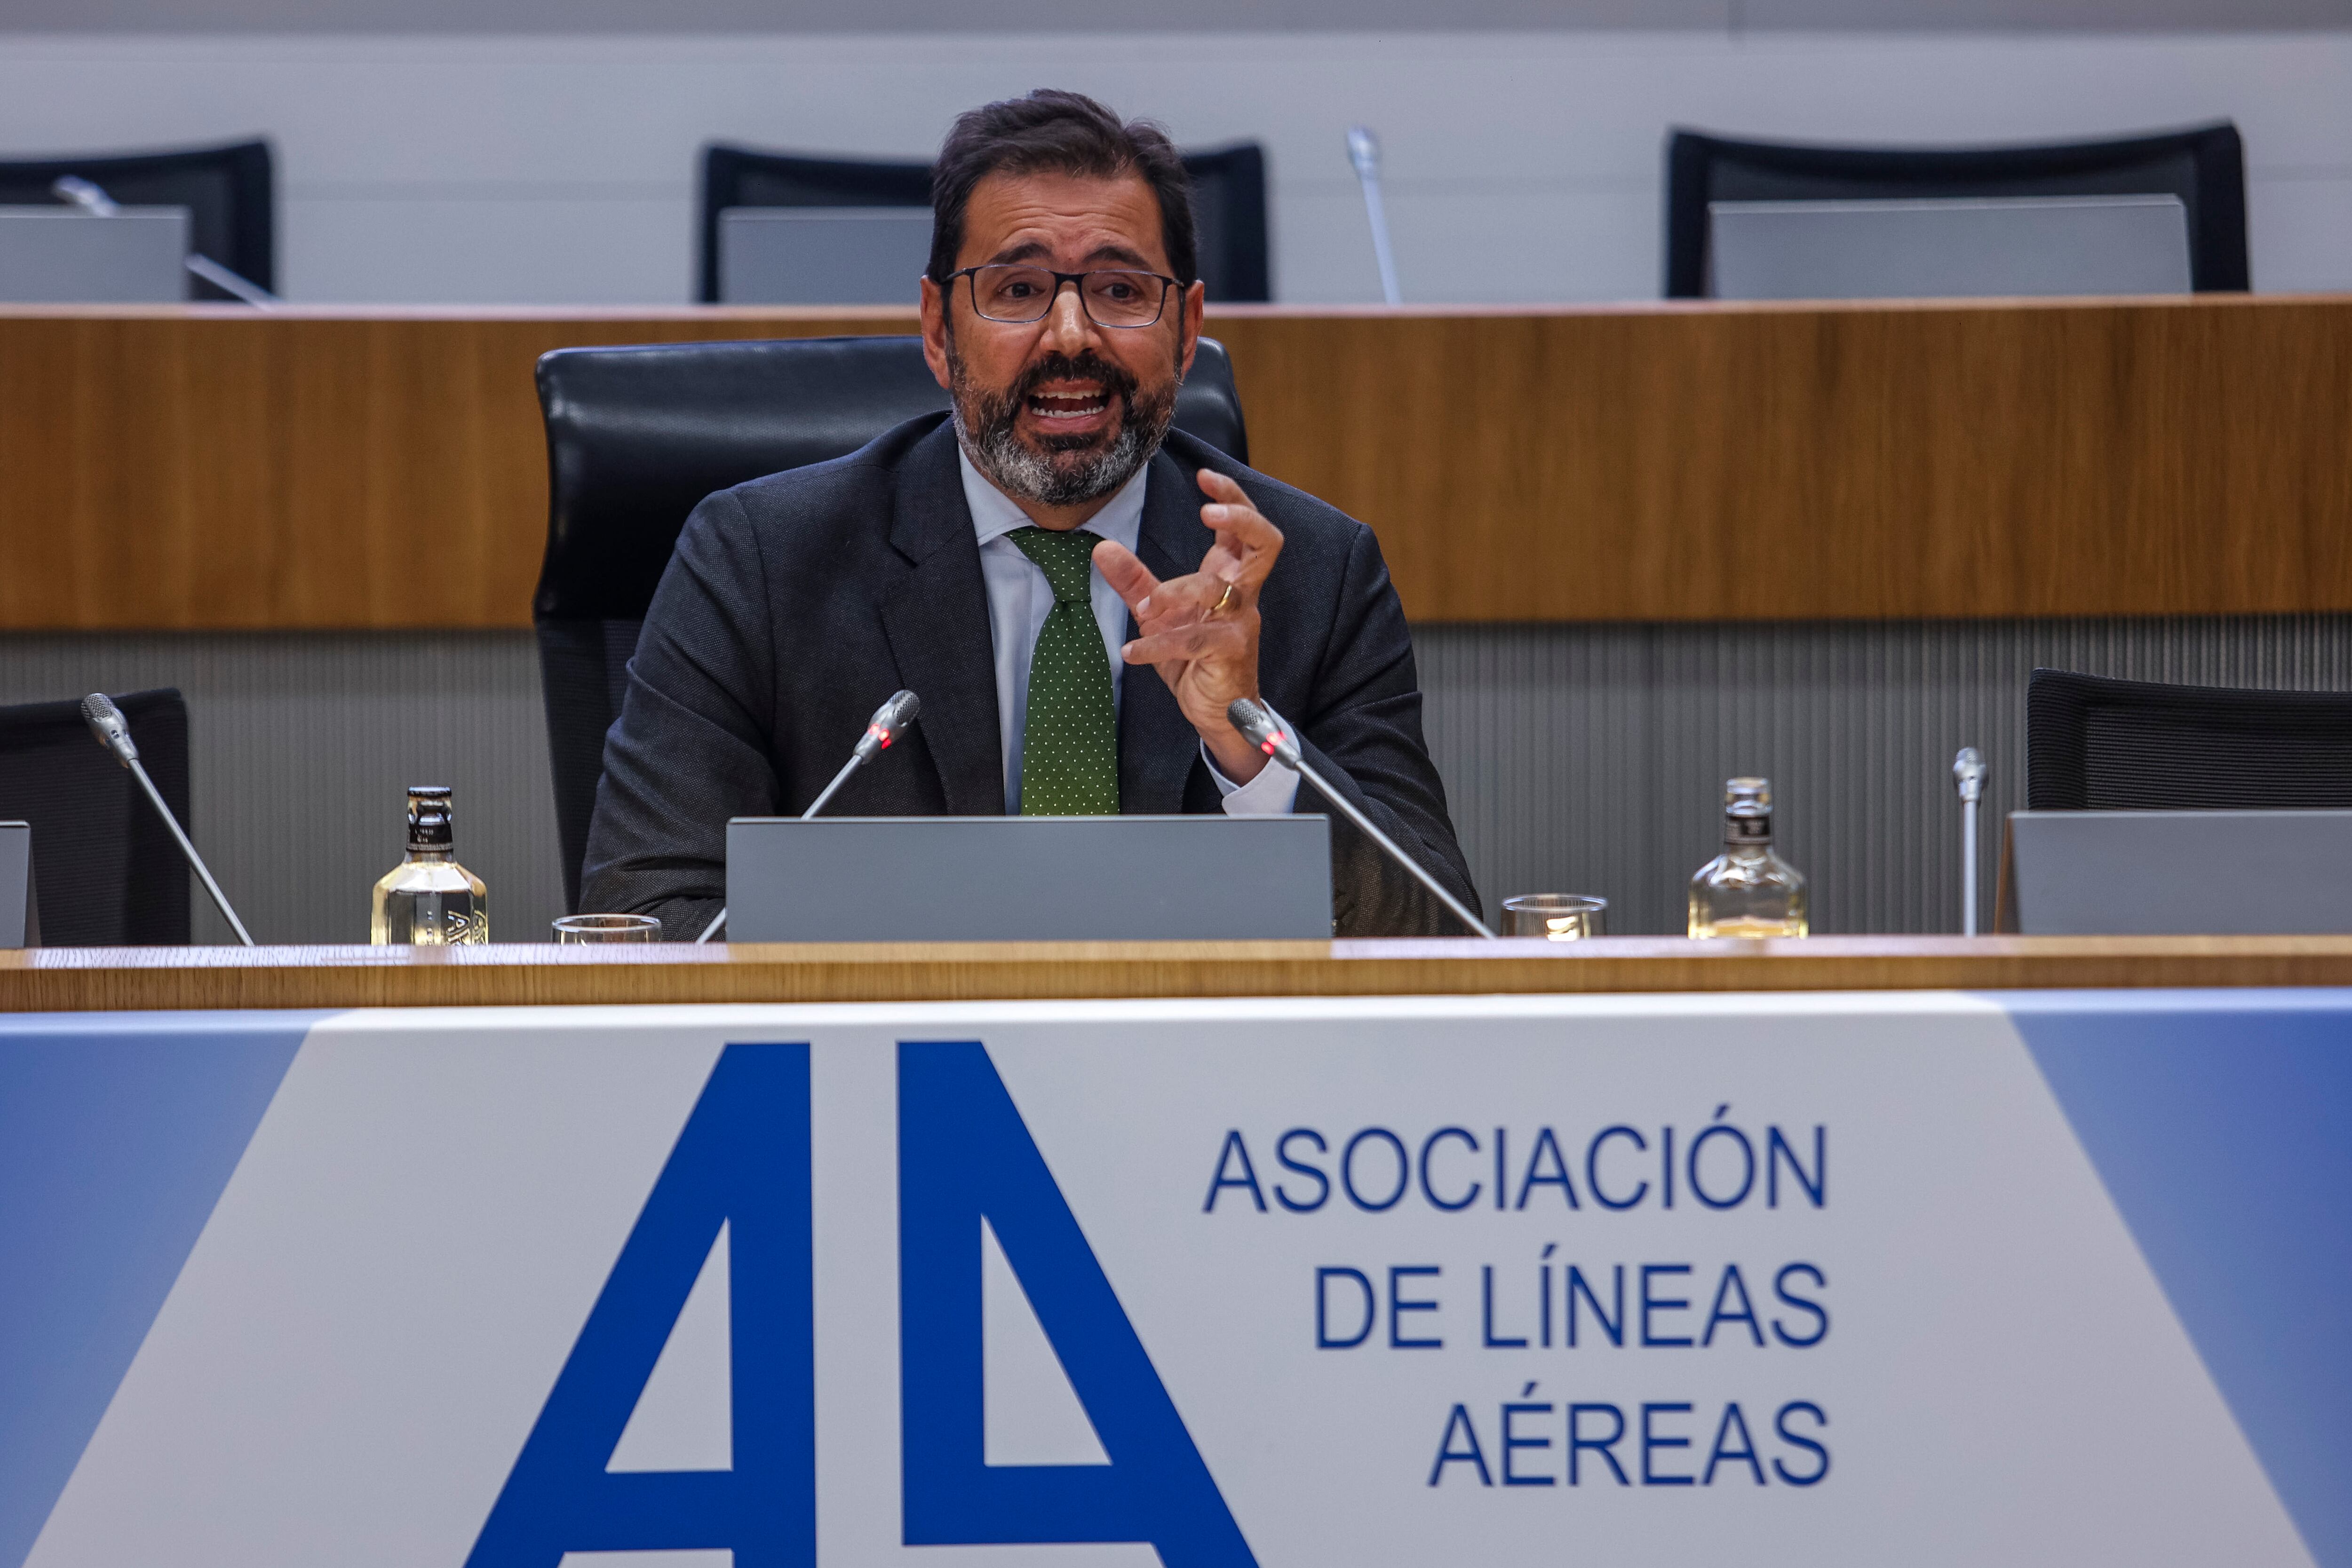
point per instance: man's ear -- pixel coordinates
(1195, 311)
(935, 332)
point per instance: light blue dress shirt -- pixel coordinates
(1019, 598)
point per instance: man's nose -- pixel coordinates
(1068, 326)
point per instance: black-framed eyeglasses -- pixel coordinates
(1112, 296)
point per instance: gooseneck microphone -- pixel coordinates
(106, 722)
(883, 728)
(1364, 152)
(1259, 726)
(1968, 777)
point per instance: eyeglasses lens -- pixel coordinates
(1021, 294)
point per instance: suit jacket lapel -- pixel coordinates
(1157, 744)
(935, 617)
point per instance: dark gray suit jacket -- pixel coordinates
(797, 604)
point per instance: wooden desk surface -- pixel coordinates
(103, 979)
(218, 467)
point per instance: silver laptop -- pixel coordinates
(20, 917)
(1976, 247)
(2115, 874)
(822, 256)
(1027, 879)
(59, 255)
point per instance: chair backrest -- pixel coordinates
(637, 436)
(228, 192)
(2204, 167)
(1228, 203)
(104, 866)
(2097, 745)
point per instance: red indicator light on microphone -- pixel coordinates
(878, 733)
(1271, 742)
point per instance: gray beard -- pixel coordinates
(983, 426)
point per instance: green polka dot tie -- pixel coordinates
(1069, 743)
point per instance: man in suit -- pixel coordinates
(1039, 566)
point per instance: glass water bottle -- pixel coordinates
(1747, 890)
(429, 898)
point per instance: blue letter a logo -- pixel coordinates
(741, 1163)
(965, 1155)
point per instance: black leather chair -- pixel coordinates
(2205, 167)
(637, 436)
(2097, 745)
(228, 192)
(1228, 203)
(104, 866)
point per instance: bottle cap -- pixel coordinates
(428, 817)
(1748, 807)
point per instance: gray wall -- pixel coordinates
(1579, 758)
(302, 748)
(558, 168)
(1591, 758)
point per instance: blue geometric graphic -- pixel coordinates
(118, 1132)
(743, 1161)
(2221, 1122)
(964, 1153)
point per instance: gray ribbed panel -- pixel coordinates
(302, 744)
(1578, 758)
(1591, 758)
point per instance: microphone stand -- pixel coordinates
(1258, 725)
(107, 722)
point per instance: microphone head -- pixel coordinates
(80, 193)
(898, 712)
(1364, 149)
(106, 722)
(888, 721)
(1968, 772)
(1258, 726)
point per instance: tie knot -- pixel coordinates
(1065, 559)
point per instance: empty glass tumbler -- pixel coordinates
(1560, 916)
(583, 928)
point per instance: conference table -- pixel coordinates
(1833, 1250)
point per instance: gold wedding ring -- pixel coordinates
(1224, 600)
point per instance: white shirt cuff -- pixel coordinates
(1270, 794)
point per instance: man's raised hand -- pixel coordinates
(1208, 656)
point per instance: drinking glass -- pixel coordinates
(1561, 916)
(573, 929)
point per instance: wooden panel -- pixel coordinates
(215, 468)
(91, 979)
(218, 468)
(1765, 462)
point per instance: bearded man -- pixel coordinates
(1015, 562)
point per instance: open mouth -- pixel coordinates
(1069, 403)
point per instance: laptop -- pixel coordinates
(1028, 878)
(58, 256)
(822, 256)
(1947, 249)
(20, 916)
(2113, 874)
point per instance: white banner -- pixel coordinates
(1810, 1279)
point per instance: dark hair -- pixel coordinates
(1050, 131)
